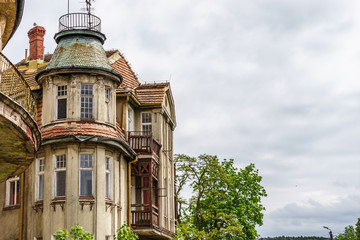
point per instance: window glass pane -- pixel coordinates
(62, 91)
(41, 187)
(146, 128)
(85, 182)
(107, 185)
(86, 161)
(61, 161)
(146, 117)
(60, 183)
(61, 108)
(41, 165)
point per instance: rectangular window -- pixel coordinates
(40, 179)
(107, 103)
(130, 119)
(86, 170)
(13, 191)
(60, 175)
(86, 101)
(146, 122)
(108, 178)
(61, 102)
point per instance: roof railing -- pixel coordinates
(13, 85)
(79, 21)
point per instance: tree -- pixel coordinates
(349, 234)
(125, 233)
(76, 233)
(226, 202)
(357, 229)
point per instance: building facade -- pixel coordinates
(106, 153)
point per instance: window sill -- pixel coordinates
(11, 207)
(59, 199)
(86, 198)
(39, 202)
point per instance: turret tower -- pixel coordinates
(83, 158)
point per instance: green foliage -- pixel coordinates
(357, 229)
(348, 234)
(76, 233)
(226, 202)
(125, 233)
(296, 238)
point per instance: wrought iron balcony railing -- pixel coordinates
(79, 21)
(13, 85)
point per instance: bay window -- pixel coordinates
(61, 101)
(86, 101)
(60, 175)
(40, 167)
(86, 175)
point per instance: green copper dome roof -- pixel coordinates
(79, 49)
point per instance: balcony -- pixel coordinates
(79, 21)
(144, 143)
(144, 216)
(19, 133)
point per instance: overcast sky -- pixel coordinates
(270, 82)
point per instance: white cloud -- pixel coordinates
(270, 82)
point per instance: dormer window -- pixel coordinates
(61, 102)
(86, 101)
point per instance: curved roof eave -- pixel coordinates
(19, 14)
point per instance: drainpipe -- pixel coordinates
(22, 205)
(129, 189)
(123, 113)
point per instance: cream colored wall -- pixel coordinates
(73, 83)
(9, 218)
(102, 220)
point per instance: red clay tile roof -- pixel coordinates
(122, 66)
(39, 102)
(83, 129)
(151, 93)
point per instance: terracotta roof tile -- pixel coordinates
(151, 93)
(83, 129)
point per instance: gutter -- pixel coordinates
(129, 189)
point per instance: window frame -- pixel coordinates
(56, 171)
(108, 177)
(146, 124)
(86, 169)
(40, 172)
(61, 97)
(16, 201)
(107, 103)
(87, 93)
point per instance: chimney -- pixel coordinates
(36, 40)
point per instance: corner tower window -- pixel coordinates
(86, 175)
(107, 103)
(86, 101)
(60, 175)
(61, 102)
(146, 122)
(40, 179)
(108, 178)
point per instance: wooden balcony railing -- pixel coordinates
(13, 85)
(144, 142)
(79, 21)
(144, 216)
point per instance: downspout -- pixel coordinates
(22, 205)
(129, 189)
(123, 113)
